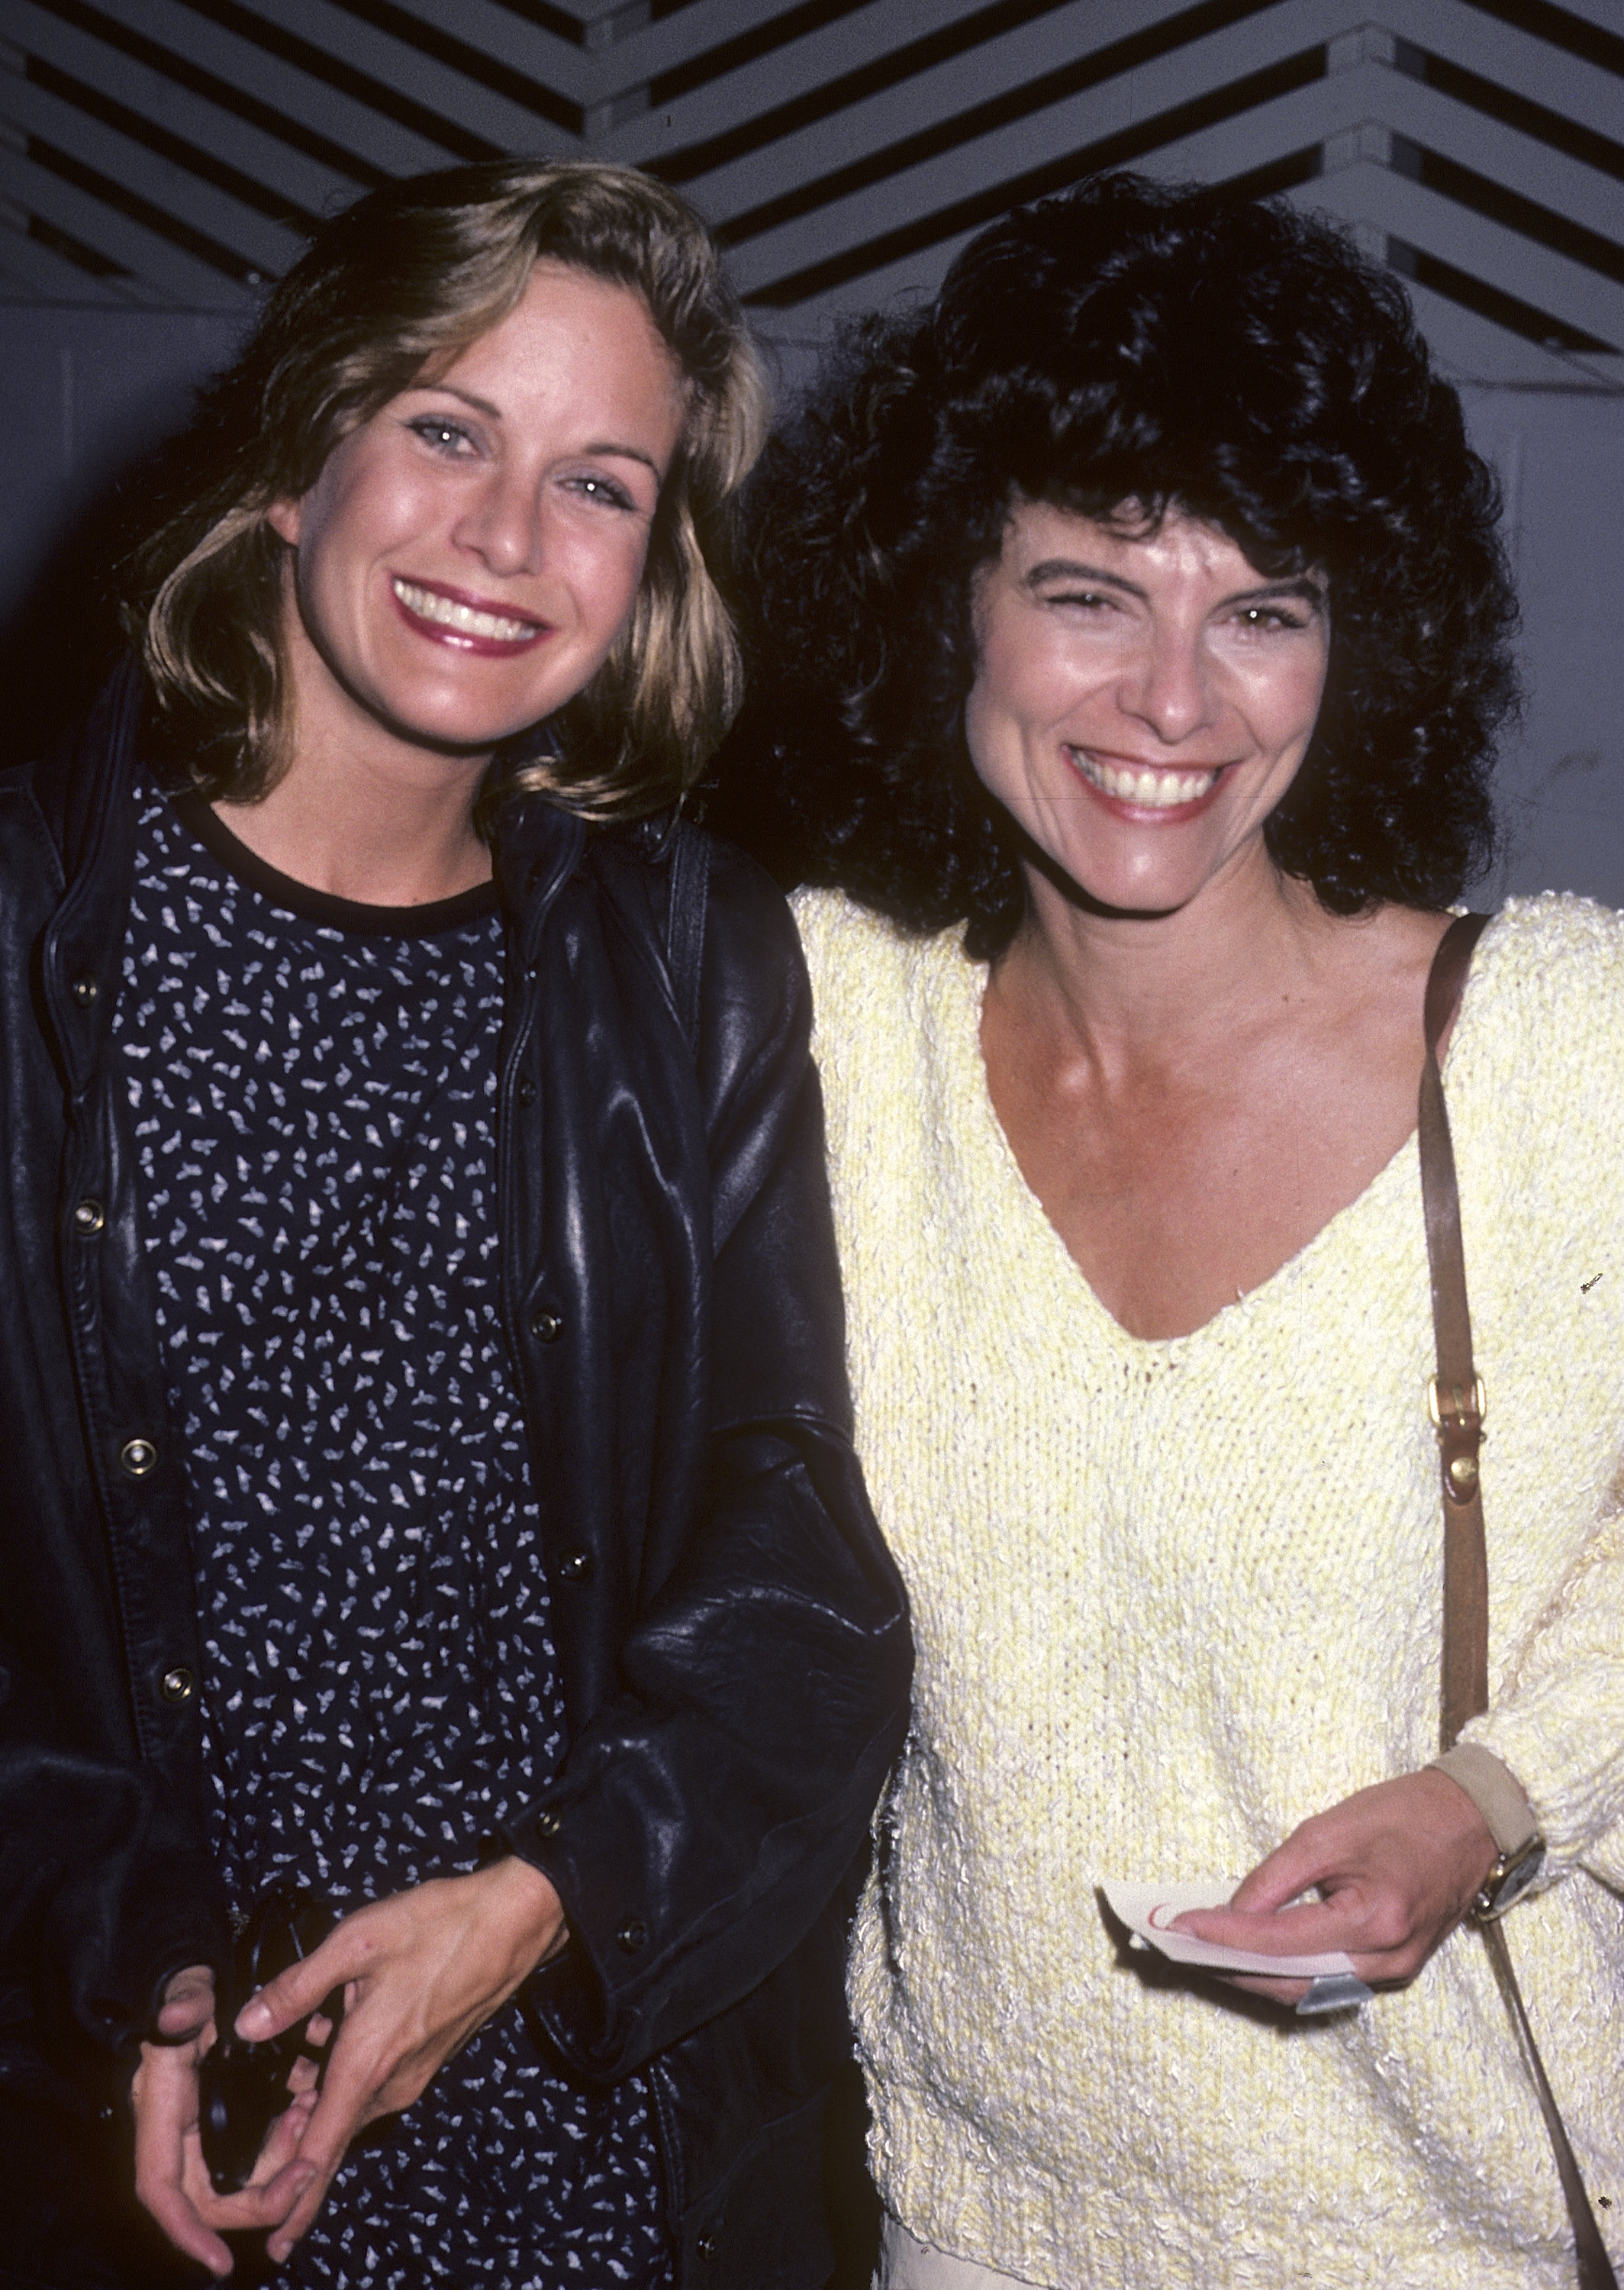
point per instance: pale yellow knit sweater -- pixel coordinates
(1170, 1598)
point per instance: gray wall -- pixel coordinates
(1560, 461)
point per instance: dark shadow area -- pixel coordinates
(58, 647)
(853, 2205)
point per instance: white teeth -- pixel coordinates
(429, 606)
(1150, 790)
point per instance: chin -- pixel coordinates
(1084, 882)
(449, 723)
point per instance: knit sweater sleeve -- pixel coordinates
(1558, 1727)
(1541, 1097)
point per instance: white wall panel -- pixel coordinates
(283, 87)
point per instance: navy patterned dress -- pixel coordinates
(314, 1087)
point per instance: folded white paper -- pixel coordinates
(1148, 1911)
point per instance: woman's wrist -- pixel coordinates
(1495, 1791)
(533, 1902)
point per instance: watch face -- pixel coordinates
(1508, 1883)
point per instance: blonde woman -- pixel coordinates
(429, 1507)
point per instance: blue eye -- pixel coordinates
(593, 487)
(441, 435)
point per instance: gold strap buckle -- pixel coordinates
(1467, 1415)
(1460, 1425)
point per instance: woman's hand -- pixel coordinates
(421, 1972)
(172, 2179)
(1397, 1867)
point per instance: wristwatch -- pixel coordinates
(1508, 1879)
(1493, 1790)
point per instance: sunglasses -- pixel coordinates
(244, 2087)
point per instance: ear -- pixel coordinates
(284, 519)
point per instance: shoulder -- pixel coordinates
(746, 915)
(882, 995)
(1537, 1059)
(895, 1015)
(862, 964)
(748, 929)
(17, 796)
(1547, 979)
(754, 1011)
(29, 859)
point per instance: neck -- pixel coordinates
(1131, 988)
(384, 829)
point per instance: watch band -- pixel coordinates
(1493, 1789)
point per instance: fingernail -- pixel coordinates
(253, 2019)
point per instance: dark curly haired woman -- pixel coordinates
(1130, 641)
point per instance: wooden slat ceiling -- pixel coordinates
(173, 153)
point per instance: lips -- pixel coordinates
(1144, 787)
(464, 622)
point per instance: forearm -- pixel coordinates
(1556, 1720)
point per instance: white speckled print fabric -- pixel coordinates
(314, 1105)
(1171, 1597)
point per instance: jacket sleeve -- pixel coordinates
(103, 1892)
(105, 1885)
(708, 1814)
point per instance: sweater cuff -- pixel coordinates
(1493, 1788)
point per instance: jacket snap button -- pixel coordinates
(546, 1324)
(575, 1565)
(633, 1935)
(706, 2246)
(527, 1091)
(176, 1686)
(547, 1823)
(138, 1457)
(83, 989)
(89, 1216)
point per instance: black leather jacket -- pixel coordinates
(730, 1630)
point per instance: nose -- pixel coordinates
(503, 523)
(1168, 688)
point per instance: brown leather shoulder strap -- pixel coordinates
(1457, 1395)
(1446, 979)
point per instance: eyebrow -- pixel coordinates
(494, 413)
(1304, 586)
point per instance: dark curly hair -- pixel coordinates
(1126, 342)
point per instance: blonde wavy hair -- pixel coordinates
(396, 285)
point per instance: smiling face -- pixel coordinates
(1141, 705)
(469, 555)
